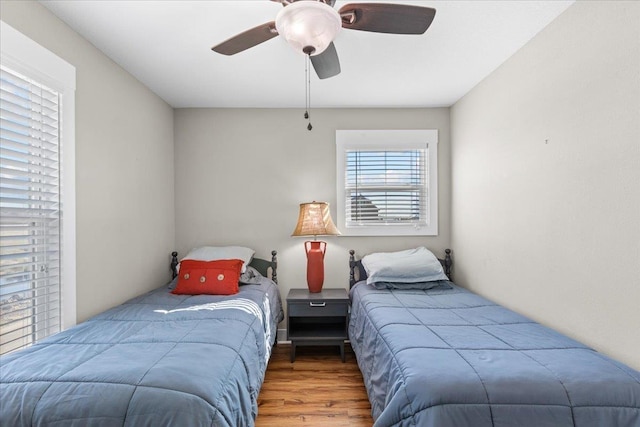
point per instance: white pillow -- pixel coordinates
(212, 253)
(409, 266)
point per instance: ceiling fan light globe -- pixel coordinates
(308, 23)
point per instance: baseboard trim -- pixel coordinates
(281, 337)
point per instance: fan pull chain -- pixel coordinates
(307, 91)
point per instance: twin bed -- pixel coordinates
(443, 356)
(431, 354)
(160, 359)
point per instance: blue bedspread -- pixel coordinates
(452, 358)
(157, 360)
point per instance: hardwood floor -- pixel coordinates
(316, 390)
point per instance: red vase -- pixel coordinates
(315, 264)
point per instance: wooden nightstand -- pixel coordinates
(317, 318)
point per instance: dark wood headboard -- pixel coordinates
(262, 265)
(447, 264)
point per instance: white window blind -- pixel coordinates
(387, 182)
(30, 254)
(385, 187)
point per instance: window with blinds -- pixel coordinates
(30, 295)
(387, 182)
(385, 187)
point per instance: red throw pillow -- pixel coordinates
(208, 277)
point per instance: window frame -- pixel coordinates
(23, 55)
(388, 140)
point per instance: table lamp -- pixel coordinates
(315, 220)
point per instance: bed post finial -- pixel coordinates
(448, 262)
(274, 266)
(352, 266)
(174, 264)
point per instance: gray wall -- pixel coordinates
(241, 175)
(124, 168)
(546, 174)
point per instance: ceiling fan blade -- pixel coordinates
(247, 39)
(327, 64)
(387, 18)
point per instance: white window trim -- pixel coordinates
(379, 139)
(25, 56)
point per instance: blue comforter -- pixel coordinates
(448, 357)
(157, 360)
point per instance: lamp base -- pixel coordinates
(315, 264)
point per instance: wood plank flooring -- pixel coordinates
(316, 390)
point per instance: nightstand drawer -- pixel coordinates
(318, 308)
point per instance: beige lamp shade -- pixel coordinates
(315, 220)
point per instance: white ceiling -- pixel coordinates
(167, 46)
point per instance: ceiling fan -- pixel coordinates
(310, 26)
